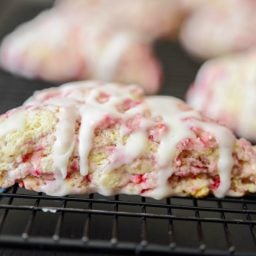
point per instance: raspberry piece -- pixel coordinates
(216, 183)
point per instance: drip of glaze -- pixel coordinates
(50, 210)
(64, 144)
(92, 113)
(179, 130)
(135, 144)
(112, 54)
(166, 107)
(13, 123)
(56, 187)
(128, 152)
(65, 138)
(226, 141)
(90, 117)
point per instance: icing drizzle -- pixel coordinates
(12, 124)
(112, 54)
(179, 130)
(65, 139)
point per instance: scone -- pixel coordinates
(58, 46)
(220, 27)
(88, 137)
(225, 89)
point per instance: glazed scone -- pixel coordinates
(88, 137)
(58, 47)
(224, 89)
(220, 27)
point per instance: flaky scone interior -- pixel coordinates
(88, 137)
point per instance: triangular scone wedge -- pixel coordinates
(57, 46)
(90, 137)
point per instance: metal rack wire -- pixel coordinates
(127, 224)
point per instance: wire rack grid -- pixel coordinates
(128, 224)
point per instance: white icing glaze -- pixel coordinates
(135, 145)
(180, 130)
(128, 152)
(104, 49)
(56, 188)
(13, 123)
(47, 209)
(111, 55)
(90, 117)
(226, 141)
(65, 139)
(166, 107)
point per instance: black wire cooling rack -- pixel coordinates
(128, 224)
